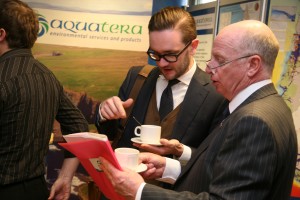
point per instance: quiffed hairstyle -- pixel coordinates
(174, 18)
(19, 22)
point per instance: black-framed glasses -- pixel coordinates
(213, 68)
(169, 57)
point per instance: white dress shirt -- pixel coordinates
(178, 90)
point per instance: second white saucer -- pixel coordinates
(139, 141)
(141, 168)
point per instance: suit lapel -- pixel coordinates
(199, 151)
(192, 102)
(261, 93)
(143, 99)
(140, 107)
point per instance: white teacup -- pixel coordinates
(148, 133)
(127, 157)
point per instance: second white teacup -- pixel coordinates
(148, 133)
(127, 157)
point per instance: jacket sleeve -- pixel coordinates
(152, 192)
(110, 127)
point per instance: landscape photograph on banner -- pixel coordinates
(90, 45)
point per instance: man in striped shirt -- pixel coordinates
(31, 98)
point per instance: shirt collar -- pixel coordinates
(245, 93)
(186, 77)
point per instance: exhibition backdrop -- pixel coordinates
(284, 21)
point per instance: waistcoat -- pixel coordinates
(152, 117)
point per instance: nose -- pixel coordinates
(208, 70)
(162, 62)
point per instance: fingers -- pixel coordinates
(58, 193)
(168, 147)
(113, 108)
(176, 148)
(150, 158)
(127, 103)
(149, 173)
(151, 148)
(169, 143)
(107, 168)
(154, 170)
(164, 142)
(172, 146)
(51, 194)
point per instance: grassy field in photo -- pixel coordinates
(98, 72)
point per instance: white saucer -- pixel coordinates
(139, 141)
(141, 168)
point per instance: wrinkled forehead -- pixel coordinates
(226, 43)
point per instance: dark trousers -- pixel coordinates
(33, 189)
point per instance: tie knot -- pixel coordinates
(173, 82)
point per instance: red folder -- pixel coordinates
(87, 147)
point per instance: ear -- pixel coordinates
(2, 34)
(194, 46)
(255, 65)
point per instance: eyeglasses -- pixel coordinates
(169, 57)
(213, 69)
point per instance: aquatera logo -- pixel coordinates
(43, 25)
(78, 27)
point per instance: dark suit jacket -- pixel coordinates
(194, 120)
(251, 155)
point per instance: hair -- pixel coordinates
(174, 18)
(19, 22)
(263, 43)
